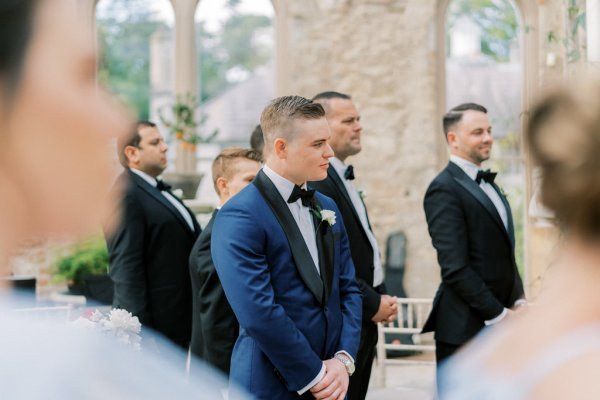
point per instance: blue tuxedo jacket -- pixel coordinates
(291, 317)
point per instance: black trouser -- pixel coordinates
(359, 381)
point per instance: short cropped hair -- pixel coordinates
(324, 98)
(453, 117)
(281, 111)
(131, 138)
(225, 165)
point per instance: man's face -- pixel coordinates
(471, 139)
(308, 153)
(245, 172)
(151, 155)
(344, 121)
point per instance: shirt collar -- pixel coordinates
(467, 166)
(144, 176)
(339, 166)
(284, 186)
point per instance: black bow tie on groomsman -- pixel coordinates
(162, 186)
(349, 173)
(486, 175)
(307, 196)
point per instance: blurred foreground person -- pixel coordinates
(552, 349)
(214, 326)
(55, 172)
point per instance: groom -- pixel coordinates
(286, 268)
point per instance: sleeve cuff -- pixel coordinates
(520, 302)
(496, 319)
(312, 383)
(344, 352)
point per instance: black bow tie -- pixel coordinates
(349, 173)
(486, 175)
(162, 186)
(307, 196)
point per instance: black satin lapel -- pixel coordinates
(473, 188)
(511, 226)
(152, 191)
(326, 250)
(304, 262)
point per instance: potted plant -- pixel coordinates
(85, 270)
(184, 127)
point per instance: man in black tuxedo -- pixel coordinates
(471, 228)
(148, 251)
(214, 326)
(344, 123)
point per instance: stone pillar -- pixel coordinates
(593, 30)
(186, 80)
(281, 46)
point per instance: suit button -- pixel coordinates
(325, 309)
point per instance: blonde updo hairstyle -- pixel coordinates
(563, 136)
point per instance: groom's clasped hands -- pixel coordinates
(334, 384)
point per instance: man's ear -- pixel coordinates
(223, 186)
(451, 137)
(132, 154)
(280, 148)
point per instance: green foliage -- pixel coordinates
(124, 32)
(183, 124)
(87, 257)
(497, 20)
(233, 46)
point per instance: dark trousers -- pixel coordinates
(359, 381)
(442, 352)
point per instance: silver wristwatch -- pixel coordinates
(347, 362)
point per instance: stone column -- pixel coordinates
(281, 46)
(593, 30)
(186, 80)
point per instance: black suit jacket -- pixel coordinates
(148, 259)
(360, 247)
(214, 326)
(476, 255)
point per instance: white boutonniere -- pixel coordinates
(328, 216)
(177, 193)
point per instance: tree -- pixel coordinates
(124, 30)
(234, 47)
(497, 20)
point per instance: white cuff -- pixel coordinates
(497, 319)
(312, 383)
(520, 302)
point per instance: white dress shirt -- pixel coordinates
(152, 181)
(471, 170)
(360, 209)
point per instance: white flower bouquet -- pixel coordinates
(117, 323)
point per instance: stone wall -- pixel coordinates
(383, 54)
